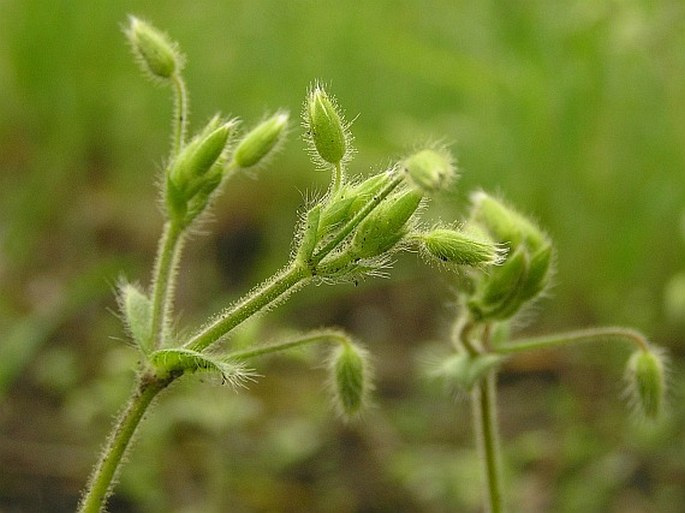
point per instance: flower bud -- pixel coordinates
(452, 246)
(349, 200)
(386, 225)
(195, 168)
(430, 170)
(496, 294)
(524, 274)
(326, 132)
(261, 140)
(157, 55)
(645, 378)
(350, 378)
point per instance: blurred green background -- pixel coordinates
(574, 111)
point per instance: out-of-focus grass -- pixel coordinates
(574, 110)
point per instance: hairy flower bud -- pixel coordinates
(645, 378)
(350, 379)
(197, 168)
(326, 132)
(430, 170)
(386, 225)
(157, 55)
(452, 246)
(261, 141)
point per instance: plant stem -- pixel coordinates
(312, 338)
(265, 295)
(168, 255)
(608, 334)
(484, 401)
(101, 480)
(180, 119)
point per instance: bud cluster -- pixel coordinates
(523, 275)
(197, 170)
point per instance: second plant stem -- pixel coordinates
(484, 401)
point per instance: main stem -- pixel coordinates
(484, 400)
(105, 472)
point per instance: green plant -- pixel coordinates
(349, 233)
(490, 299)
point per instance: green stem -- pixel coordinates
(101, 480)
(312, 338)
(168, 255)
(180, 119)
(484, 401)
(264, 296)
(608, 334)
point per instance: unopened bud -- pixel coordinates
(386, 225)
(157, 54)
(452, 246)
(645, 377)
(261, 140)
(430, 170)
(350, 378)
(325, 128)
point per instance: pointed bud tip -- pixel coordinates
(156, 53)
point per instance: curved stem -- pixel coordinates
(484, 401)
(311, 338)
(608, 334)
(104, 474)
(163, 282)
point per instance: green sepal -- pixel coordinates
(179, 360)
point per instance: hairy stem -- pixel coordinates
(264, 296)
(180, 119)
(168, 255)
(105, 472)
(607, 334)
(484, 401)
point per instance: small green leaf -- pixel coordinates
(179, 360)
(465, 370)
(136, 308)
